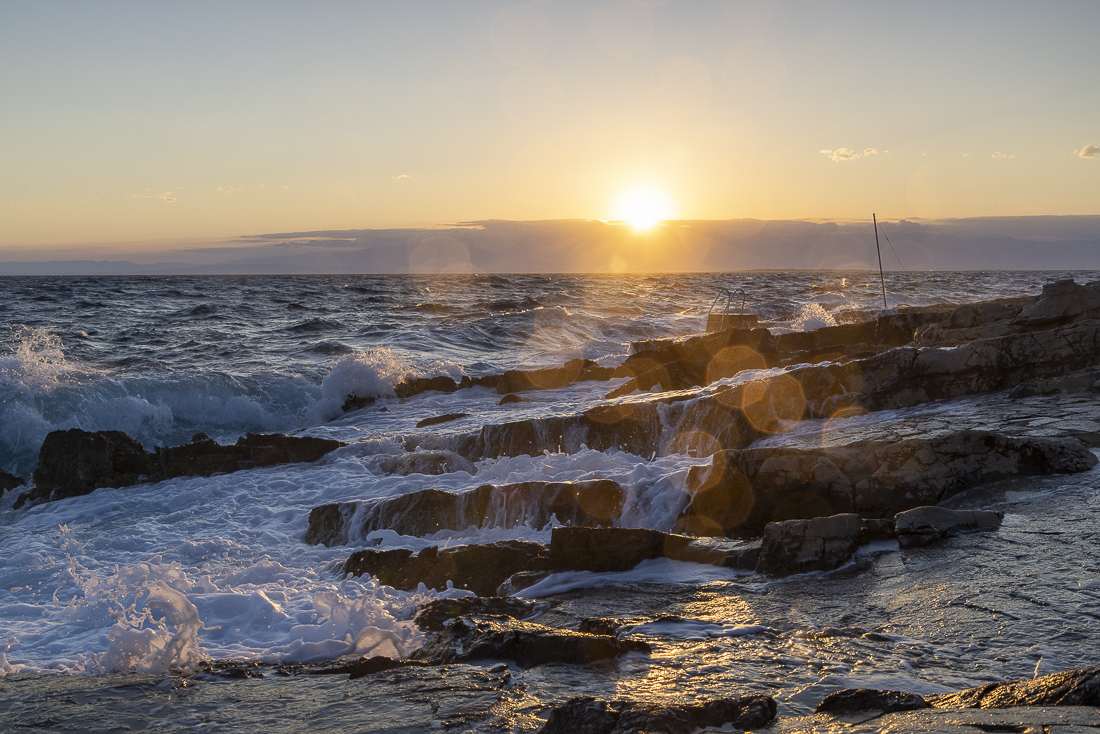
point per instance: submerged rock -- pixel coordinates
(591, 503)
(587, 715)
(436, 420)
(1080, 687)
(426, 462)
(467, 639)
(76, 462)
(851, 700)
(744, 489)
(434, 615)
(923, 526)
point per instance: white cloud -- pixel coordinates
(999, 154)
(401, 176)
(841, 154)
(966, 155)
(166, 196)
(1089, 151)
(870, 151)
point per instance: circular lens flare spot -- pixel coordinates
(642, 206)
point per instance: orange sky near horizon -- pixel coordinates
(129, 125)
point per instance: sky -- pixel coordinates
(131, 127)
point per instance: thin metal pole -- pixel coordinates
(880, 278)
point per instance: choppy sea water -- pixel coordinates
(155, 577)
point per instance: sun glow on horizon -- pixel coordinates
(642, 206)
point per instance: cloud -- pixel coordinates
(870, 151)
(166, 196)
(999, 154)
(841, 154)
(1089, 151)
(966, 155)
(401, 176)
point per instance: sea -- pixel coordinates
(109, 602)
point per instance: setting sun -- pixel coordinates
(642, 206)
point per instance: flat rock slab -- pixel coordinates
(1037, 719)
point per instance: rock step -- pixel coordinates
(484, 568)
(588, 715)
(593, 503)
(733, 417)
(743, 490)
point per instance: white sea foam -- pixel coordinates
(812, 316)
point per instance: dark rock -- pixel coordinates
(590, 503)
(353, 402)
(587, 715)
(851, 700)
(479, 568)
(621, 549)
(600, 625)
(873, 528)
(436, 420)
(417, 385)
(433, 616)
(204, 457)
(1080, 687)
(426, 462)
(744, 489)
(923, 526)
(798, 546)
(509, 399)
(328, 524)
(75, 462)
(378, 664)
(9, 481)
(467, 639)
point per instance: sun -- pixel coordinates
(642, 206)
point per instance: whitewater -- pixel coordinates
(153, 579)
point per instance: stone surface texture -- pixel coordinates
(467, 639)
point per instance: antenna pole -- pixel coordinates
(880, 278)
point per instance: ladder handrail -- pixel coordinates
(729, 300)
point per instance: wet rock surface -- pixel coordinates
(76, 462)
(588, 715)
(591, 503)
(745, 489)
(479, 568)
(869, 699)
(1080, 687)
(923, 526)
(434, 615)
(471, 638)
(485, 568)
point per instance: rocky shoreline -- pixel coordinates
(788, 481)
